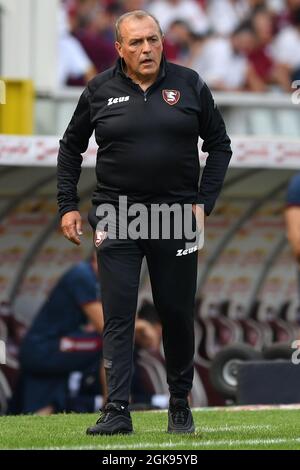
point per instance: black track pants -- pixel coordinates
(173, 281)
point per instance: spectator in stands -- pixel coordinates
(92, 23)
(286, 53)
(99, 50)
(82, 11)
(131, 5)
(223, 63)
(261, 56)
(284, 16)
(178, 42)
(186, 10)
(226, 15)
(74, 66)
(107, 19)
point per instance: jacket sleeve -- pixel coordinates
(74, 142)
(217, 143)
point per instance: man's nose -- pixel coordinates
(146, 46)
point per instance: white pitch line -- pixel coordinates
(172, 445)
(226, 428)
(295, 406)
(239, 427)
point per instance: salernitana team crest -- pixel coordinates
(171, 96)
(99, 237)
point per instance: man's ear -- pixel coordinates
(119, 49)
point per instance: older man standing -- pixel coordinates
(147, 115)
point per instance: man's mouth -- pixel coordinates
(147, 61)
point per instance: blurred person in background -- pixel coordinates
(92, 24)
(189, 11)
(149, 318)
(148, 314)
(226, 15)
(88, 21)
(286, 53)
(81, 11)
(64, 337)
(107, 19)
(223, 62)
(292, 220)
(92, 38)
(178, 42)
(131, 5)
(284, 15)
(74, 65)
(260, 57)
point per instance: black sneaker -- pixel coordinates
(114, 419)
(180, 418)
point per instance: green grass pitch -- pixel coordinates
(215, 429)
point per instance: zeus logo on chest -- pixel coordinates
(111, 101)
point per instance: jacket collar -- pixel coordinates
(162, 70)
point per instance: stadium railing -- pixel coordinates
(260, 114)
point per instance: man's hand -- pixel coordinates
(71, 225)
(200, 216)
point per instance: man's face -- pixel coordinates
(244, 42)
(140, 47)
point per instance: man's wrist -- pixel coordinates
(67, 209)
